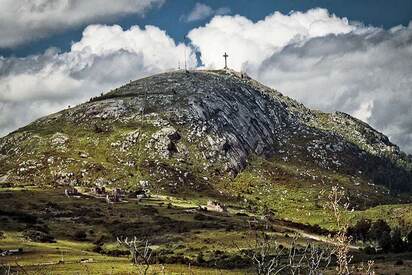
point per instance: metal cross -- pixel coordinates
(225, 56)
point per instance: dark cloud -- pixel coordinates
(366, 73)
(25, 20)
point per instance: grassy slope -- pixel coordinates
(283, 188)
(174, 231)
(291, 190)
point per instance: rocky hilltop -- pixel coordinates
(206, 132)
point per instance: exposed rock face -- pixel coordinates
(164, 141)
(214, 120)
(236, 117)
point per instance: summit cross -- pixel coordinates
(225, 56)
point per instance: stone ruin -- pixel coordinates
(142, 194)
(115, 196)
(110, 198)
(118, 192)
(71, 191)
(99, 191)
(11, 252)
(216, 206)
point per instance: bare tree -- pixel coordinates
(269, 257)
(310, 259)
(336, 203)
(140, 251)
(317, 258)
(295, 259)
(5, 269)
(17, 269)
(369, 269)
(264, 252)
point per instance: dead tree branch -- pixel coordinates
(140, 251)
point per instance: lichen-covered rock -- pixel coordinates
(59, 140)
(164, 142)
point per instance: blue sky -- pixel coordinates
(379, 13)
(333, 55)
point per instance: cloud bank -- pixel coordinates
(105, 57)
(25, 20)
(323, 61)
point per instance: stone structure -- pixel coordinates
(115, 196)
(216, 206)
(99, 191)
(71, 191)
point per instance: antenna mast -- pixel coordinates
(184, 43)
(185, 59)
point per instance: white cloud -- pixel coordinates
(105, 57)
(25, 20)
(250, 43)
(201, 11)
(322, 61)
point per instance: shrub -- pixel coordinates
(230, 227)
(116, 252)
(397, 243)
(236, 261)
(385, 241)
(40, 227)
(200, 259)
(360, 230)
(241, 214)
(100, 240)
(399, 262)
(377, 229)
(409, 240)
(80, 235)
(20, 216)
(149, 210)
(370, 250)
(98, 249)
(38, 236)
(181, 228)
(200, 217)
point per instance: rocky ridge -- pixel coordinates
(195, 128)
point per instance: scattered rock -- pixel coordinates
(59, 140)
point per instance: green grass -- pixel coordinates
(174, 231)
(152, 214)
(395, 215)
(64, 257)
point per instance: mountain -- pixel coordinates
(214, 134)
